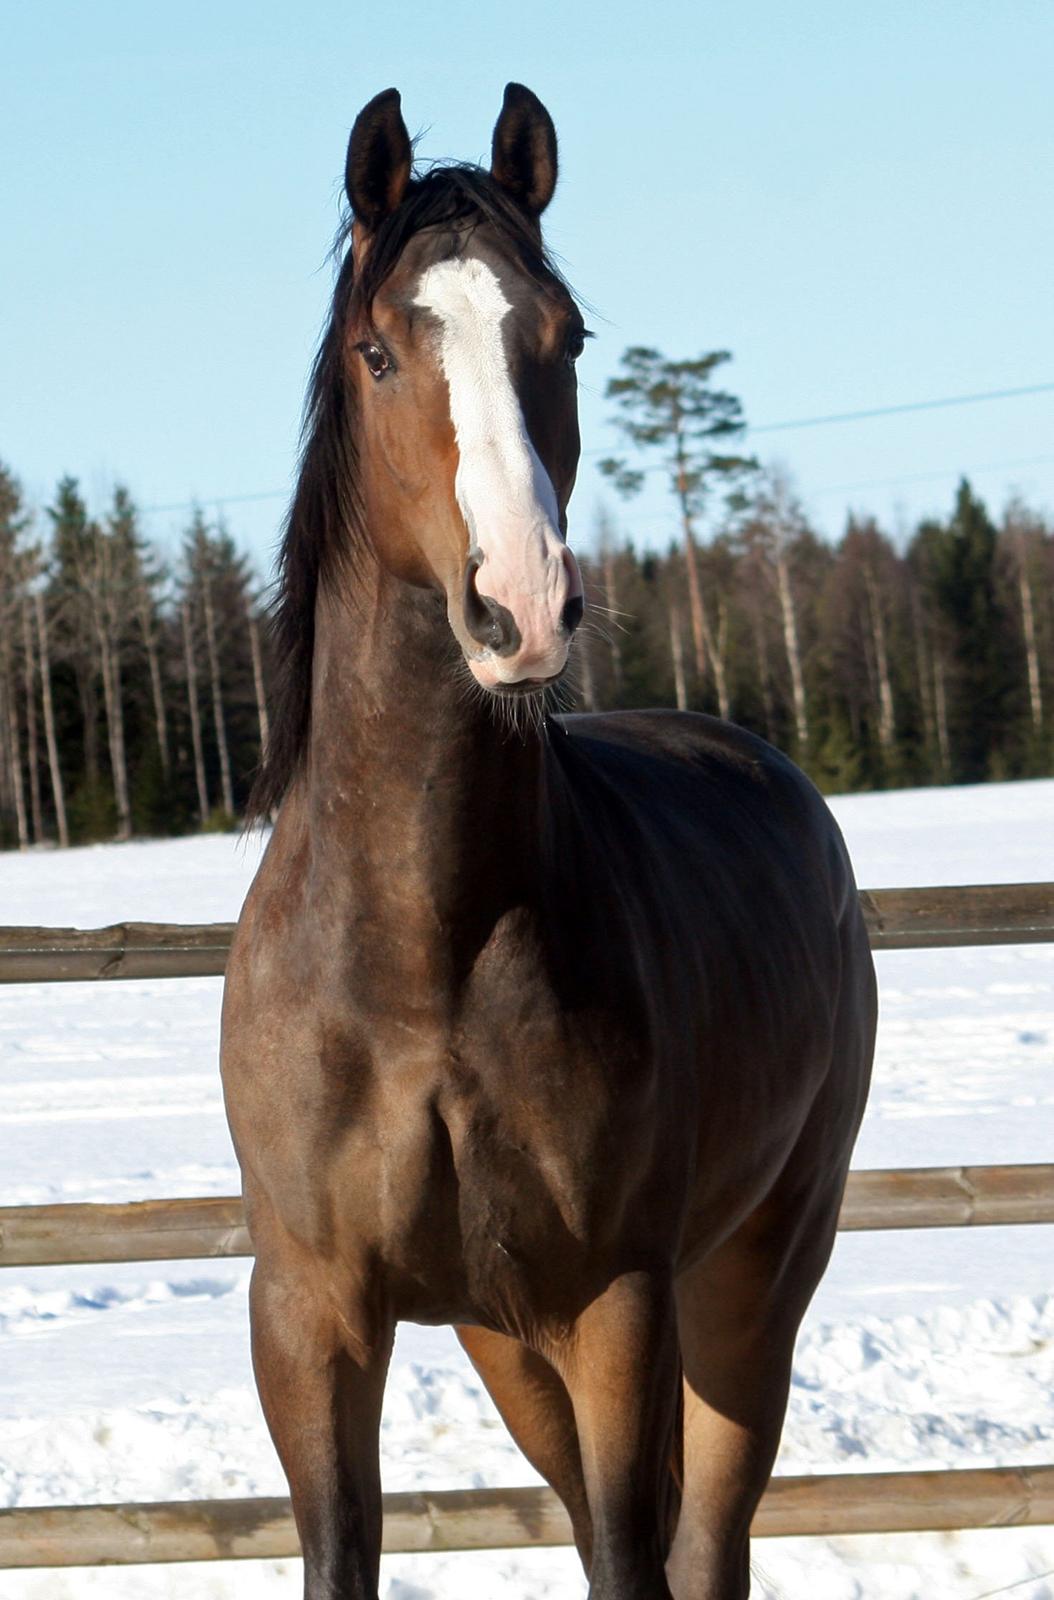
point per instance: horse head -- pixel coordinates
(460, 345)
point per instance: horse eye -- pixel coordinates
(576, 343)
(376, 359)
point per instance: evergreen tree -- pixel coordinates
(958, 562)
(137, 641)
(1024, 553)
(216, 588)
(75, 657)
(669, 408)
(934, 665)
(16, 562)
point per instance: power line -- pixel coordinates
(763, 427)
(933, 477)
(889, 411)
(905, 406)
(220, 500)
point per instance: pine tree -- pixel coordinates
(142, 576)
(15, 562)
(1025, 542)
(74, 654)
(958, 562)
(669, 408)
(216, 591)
(771, 525)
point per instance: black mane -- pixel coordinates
(324, 530)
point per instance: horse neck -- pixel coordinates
(419, 801)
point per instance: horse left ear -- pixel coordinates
(523, 154)
(379, 157)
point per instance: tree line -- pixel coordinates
(873, 666)
(133, 696)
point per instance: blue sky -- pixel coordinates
(854, 200)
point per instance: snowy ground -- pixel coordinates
(921, 1349)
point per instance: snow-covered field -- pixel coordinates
(922, 1349)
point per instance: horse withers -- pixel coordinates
(555, 1028)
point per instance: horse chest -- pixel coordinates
(471, 1182)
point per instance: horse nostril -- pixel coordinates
(572, 614)
(489, 623)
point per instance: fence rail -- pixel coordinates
(476, 1519)
(897, 919)
(499, 1519)
(188, 1230)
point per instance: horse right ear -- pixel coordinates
(379, 157)
(523, 152)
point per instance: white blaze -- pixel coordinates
(503, 490)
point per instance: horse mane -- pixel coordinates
(324, 532)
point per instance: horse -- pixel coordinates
(555, 1028)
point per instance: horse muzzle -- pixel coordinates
(520, 617)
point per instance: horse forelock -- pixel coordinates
(325, 535)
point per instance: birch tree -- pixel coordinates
(58, 790)
(72, 638)
(259, 687)
(29, 689)
(669, 410)
(1024, 534)
(216, 595)
(15, 564)
(194, 709)
(770, 527)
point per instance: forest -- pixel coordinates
(134, 694)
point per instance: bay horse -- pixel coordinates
(555, 1028)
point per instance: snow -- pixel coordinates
(922, 1349)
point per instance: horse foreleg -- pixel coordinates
(620, 1365)
(536, 1408)
(320, 1370)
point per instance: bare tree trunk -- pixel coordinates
(7, 802)
(32, 747)
(761, 656)
(258, 682)
(924, 675)
(702, 633)
(940, 699)
(156, 687)
(584, 656)
(886, 724)
(195, 718)
(677, 654)
(111, 688)
(13, 750)
(84, 671)
(791, 644)
(607, 556)
(217, 696)
(57, 791)
(1035, 688)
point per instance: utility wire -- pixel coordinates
(763, 427)
(889, 411)
(221, 500)
(932, 477)
(897, 410)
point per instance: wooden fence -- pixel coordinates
(820, 1503)
(897, 919)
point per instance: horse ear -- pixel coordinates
(523, 154)
(379, 156)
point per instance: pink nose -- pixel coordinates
(527, 634)
(574, 605)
